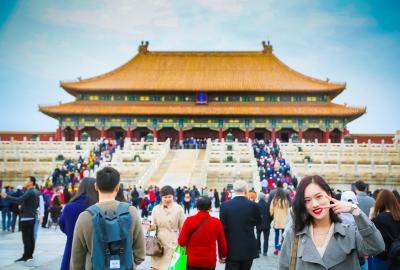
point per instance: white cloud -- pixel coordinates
(226, 6)
(123, 16)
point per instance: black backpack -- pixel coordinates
(394, 251)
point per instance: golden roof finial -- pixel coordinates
(143, 47)
(267, 47)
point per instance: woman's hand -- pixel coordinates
(341, 206)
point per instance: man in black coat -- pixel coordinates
(29, 202)
(239, 216)
(265, 225)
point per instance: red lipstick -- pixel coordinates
(317, 211)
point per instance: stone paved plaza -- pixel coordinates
(50, 247)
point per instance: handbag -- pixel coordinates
(179, 257)
(153, 245)
(294, 253)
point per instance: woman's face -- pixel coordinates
(316, 202)
(167, 199)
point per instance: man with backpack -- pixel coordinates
(108, 235)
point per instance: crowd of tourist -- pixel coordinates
(272, 167)
(189, 143)
(315, 227)
(361, 230)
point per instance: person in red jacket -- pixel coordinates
(199, 234)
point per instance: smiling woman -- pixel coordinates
(318, 240)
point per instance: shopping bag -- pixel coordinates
(179, 259)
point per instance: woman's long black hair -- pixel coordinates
(301, 218)
(86, 187)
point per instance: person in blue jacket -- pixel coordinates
(85, 197)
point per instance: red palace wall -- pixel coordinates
(19, 136)
(375, 138)
(196, 132)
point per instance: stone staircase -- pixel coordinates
(180, 168)
(199, 175)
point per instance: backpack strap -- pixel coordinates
(122, 209)
(94, 210)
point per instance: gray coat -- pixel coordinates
(347, 244)
(365, 202)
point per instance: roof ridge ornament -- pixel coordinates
(267, 47)
(143, 47)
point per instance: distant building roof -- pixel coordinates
(256, 71)
(212, 108)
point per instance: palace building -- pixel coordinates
(171, 94)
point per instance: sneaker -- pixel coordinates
(264, 253)
(276, 252)
(22, 259)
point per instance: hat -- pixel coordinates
(349, 195)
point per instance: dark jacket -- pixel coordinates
(390, 230)
(265, 215)
(14, 206)
(68, 219)
(239, 216)
(29, 202)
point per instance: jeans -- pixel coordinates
(6, 218)
(186, 206)
(365, 265)
(35, 229)
(378, 264)
(14, 221)
(278, 236)
(46, 216)
(265, 233)
(27, 227)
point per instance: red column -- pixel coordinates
(58, 134)
(247, 134)
(220, 134)
(129, 133)
(180, 134)
(155, 133)
(273, 134)
(300, 135)
(102, 132)
(344, 133)
(327, 135)
(76, 133)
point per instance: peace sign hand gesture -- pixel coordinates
(341, 206)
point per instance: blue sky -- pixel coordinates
(43, 42)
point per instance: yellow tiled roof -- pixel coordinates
(214, 109)
(204, 71)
